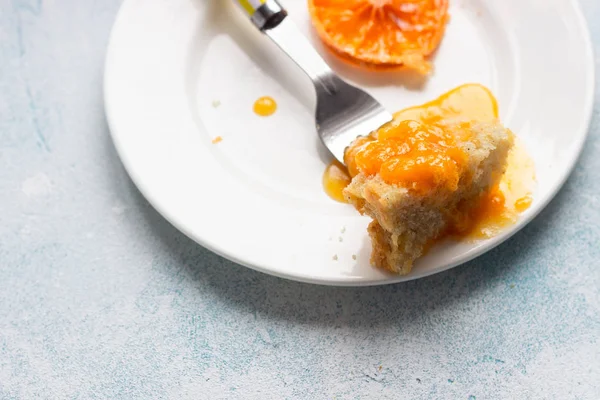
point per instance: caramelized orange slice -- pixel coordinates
(382, 32)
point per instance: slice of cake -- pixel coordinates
(419, 181)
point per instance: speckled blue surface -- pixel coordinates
(102, 299)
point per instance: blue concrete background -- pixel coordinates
(102, 299)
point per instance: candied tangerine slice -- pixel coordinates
(382, 32)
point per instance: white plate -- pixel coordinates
(256, 198)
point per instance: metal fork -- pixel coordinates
(343, 111)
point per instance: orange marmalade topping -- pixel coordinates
(412, 154)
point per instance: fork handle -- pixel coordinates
(264, 14)
(269, 16)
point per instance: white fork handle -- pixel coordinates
(270, 17)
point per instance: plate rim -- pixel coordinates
(589, 100)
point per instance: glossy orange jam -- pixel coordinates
(471, 101)
(265, 106)
(523, 203)
(479, 219)
(515, 187)
(423, 156)
(413, 154)
(335, 180)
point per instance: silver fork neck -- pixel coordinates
(289, 38)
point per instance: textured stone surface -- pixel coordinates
(102, 299)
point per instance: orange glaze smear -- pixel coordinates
(265, 106)
(413, 154)
(516, 187)
(477, 220)
(498, 208)
(471, 101)
(503, 203)
(335, 180)
(523, 203)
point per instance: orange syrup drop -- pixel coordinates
(265, 106)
